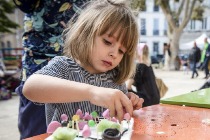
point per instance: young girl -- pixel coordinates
(99, 53)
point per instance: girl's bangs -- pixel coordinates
(126, 30)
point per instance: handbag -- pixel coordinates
(161, 86)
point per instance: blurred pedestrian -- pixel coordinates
(206, 57)
(167, 56)
(185, 65)
(144, 79)
(194, 58)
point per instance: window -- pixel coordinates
(8, 44)
(8, 48)
(143, 26)
(156, 27)
(192, 24)
(204, 23)
(155, 48)
(2, 47)
(165, 28)
(156, 8)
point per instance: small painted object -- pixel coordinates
(127, 116)
(79, 112)
(86, 132)
(105, 114)
(111, 134)
(64, 133)
(94, 114)
(91, 123)
(53, 126)
(64, 117)
(87, 116)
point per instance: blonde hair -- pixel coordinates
(143, 54)
(96, 19)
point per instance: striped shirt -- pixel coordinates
(67, 68)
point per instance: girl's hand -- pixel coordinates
(136, 101)
(113, 99)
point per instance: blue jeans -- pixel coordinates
(194, 71)
(206, 63)
(31, 117)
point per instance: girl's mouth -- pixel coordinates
(107, 63)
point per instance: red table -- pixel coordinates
(167, 122)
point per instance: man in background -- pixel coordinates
(205, 58)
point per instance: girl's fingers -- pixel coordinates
(139, 104)
(119, 110)
(127, 104)
(135, 99)
(112, 110)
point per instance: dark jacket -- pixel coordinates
(146, 86)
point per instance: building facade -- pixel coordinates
(152, 23)
(153, 27)
(11, 44)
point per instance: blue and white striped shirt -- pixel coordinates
(67, 68)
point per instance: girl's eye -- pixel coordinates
(121, 52)
(107, 42)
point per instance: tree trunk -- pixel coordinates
(174, 47)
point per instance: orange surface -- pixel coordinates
(167, 122)
(39, 137)
(171, 122)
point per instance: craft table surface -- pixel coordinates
(166, 122)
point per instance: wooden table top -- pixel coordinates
(166, 122)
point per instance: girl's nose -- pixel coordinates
(113, 52)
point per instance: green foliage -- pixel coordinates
(6, 7)
(139, 5)
(197, 13)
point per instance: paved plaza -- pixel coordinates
(177, 82)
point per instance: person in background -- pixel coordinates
(194, 58)
(99, 50)
(42, 40)
(185, 65)
(144, 78)
(206, 57)
(167, 56)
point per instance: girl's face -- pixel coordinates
(107, 54)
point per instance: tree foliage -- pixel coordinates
(6, 25)
(139, 5)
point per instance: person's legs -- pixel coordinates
(31, 117)
(206, 62)
(194, 70)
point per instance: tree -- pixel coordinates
(177, 18)
(6, 7)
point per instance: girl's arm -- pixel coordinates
(48, 89)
